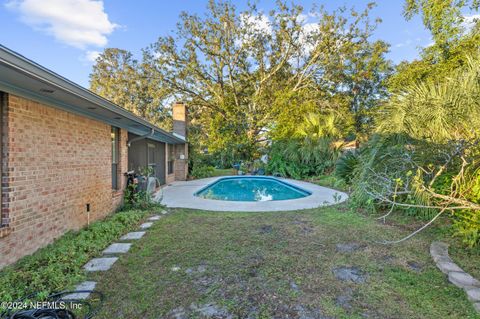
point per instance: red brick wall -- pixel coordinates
(54, 163)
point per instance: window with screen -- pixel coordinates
(171, 158)
(115, 137)
(152, 163)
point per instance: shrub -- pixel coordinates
(137, 199)
(381, 163)
(330, 181)
(301, 158)
(467, 226)
(345, 166)
(202, 171)
(58, 266)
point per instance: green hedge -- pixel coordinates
(58, 266)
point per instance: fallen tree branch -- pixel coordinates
(387, 242)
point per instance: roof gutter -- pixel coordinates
(138, 138)
(36, 71)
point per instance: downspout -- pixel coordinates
(138, 138)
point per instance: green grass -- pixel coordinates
(330, 181)
(223, 172)
(278, 265)
(467, 258)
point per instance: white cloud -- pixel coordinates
(407, 43)
(79, 23)
(469, 21)
(302, 18)
(257, 23)
(307, 30)
(91, 56)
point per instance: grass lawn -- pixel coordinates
(223, 172)
(329, 181)
(196, 264)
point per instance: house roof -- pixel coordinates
(23, 77)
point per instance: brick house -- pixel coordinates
(64, 152)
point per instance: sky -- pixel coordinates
(66, 35)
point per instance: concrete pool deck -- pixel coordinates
(180, 194)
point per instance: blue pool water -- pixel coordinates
(251, 189)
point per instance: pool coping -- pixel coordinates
(181, 194)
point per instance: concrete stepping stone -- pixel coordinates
(154, 218)
(133, 235)
(117, 248)
(447, 266)
(146, 225)
(439, 250)
(462, 280)
(100, 264)
(164, 212)
(474, 294)
(86, 285)
(456, 275)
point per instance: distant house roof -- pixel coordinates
(23, 77)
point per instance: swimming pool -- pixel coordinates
(251, 189)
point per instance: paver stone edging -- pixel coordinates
(456, 275)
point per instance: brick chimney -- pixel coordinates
(179, 112)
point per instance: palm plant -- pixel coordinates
(426, 147)
(346, 165)
(317, 126)
(437, 111)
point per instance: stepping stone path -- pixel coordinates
(146, 225)
(133, 235)
(117, 248)
(100, 264)
(463, 280)
(164, 212)
(458, 277)
(86, 285)
(353, 274)
(105, 263)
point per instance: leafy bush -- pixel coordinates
(345, 166)
(201, 165)
(467, 226)
(467, 221)
(331, 181)
(137, 199)
(300, 158)
(427, 147)
(202, 171)
(58, 266)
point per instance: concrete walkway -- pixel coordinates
(181, 195)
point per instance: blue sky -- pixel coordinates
(63, 35)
